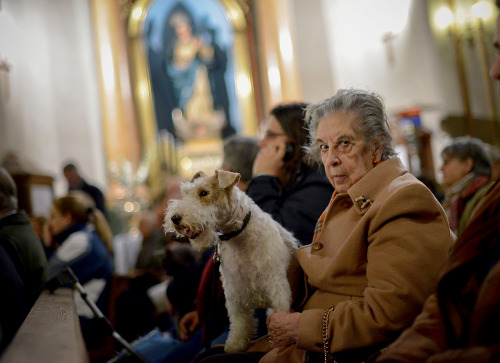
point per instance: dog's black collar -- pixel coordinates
(226, 236)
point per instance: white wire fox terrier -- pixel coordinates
(255, 250)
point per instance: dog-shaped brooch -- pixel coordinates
(255, 250)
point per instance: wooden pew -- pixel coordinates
(50, 333)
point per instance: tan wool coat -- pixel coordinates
(376, 260)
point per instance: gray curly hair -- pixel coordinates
(467, 147)
(371, 120)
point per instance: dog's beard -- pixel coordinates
(204, 239)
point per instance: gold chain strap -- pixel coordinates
(326, 341)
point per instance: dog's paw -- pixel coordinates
(235, 346)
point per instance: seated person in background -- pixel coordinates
(184, 265)
(283, 185)
(11, 299)
(153, 245)
(459, 323)
(466, 178)
(76, 182)
(239, 153)
(76, 242)
(19, 240)
(378, 247)
(104, 229)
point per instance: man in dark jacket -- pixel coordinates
(76, 182)
(20, 241)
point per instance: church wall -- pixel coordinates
(360, 57)
(312, 50)
(52, 114)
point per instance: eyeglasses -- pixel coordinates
(270, 134)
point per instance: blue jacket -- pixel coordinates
(81, 249)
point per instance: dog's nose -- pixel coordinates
(176, 219)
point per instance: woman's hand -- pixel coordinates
(47, 236)
(269, 159)
(188, 324)
(283, 328)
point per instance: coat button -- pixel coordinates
(317, 246)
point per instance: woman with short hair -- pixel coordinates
(466, 178)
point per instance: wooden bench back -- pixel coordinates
(50, 333)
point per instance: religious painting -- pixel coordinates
(189, 54)
(192, 74)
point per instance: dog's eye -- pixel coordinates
(203, 193)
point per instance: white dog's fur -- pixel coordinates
(253, 264)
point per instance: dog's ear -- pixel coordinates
(227, 179)
(197, 175)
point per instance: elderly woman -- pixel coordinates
(466, 178)
(378, 247)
